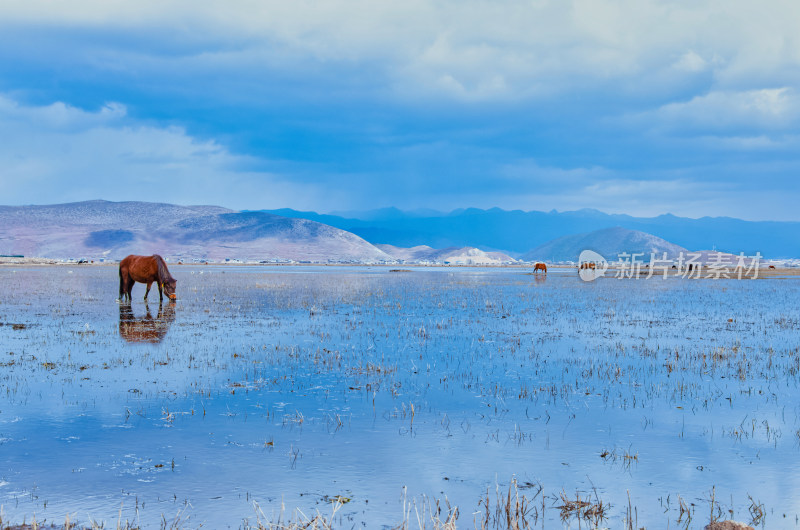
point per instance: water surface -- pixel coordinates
(294, 385)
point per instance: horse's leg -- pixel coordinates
(160, 294)
(125, 287)
(149, 284)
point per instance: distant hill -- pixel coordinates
(517, 232)
(96, 229)
(455, 255)
(609, 243)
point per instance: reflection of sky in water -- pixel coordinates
(295, 383)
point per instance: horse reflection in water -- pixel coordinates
(146, 328)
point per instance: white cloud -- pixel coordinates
(769, 109)
(56, 153)
(58, 115)
(691, 62)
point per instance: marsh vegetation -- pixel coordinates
(469, 397)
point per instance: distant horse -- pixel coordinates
(145, 269)
(147, 328)
(772, 266)
(540, 267)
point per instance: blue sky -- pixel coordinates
(631, 106)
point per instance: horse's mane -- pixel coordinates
(163, 273)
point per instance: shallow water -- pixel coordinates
(270, 385)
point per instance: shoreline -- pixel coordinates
(763, 272)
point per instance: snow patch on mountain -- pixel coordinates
(452, 255)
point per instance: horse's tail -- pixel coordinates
(123, 277)
(163, 273)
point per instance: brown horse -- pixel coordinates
(540, 267)
(147, 328)
(145, 269)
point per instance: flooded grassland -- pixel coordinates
(659, 402)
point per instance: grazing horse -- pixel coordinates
(147, 328)
(145, 269)
(540, 267)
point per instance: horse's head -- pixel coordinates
(169, 288)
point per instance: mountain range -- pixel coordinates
(103, 229)
(517, 232)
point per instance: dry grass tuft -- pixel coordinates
(428, 513)
(582, 508)
(511, 510)
(297, 521)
